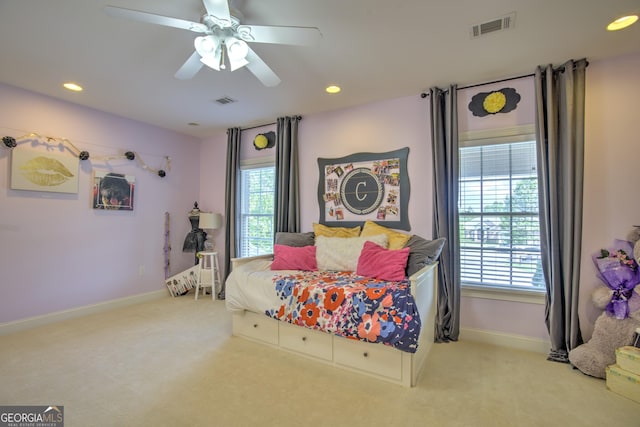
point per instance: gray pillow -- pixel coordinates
(422, 252)
(295, 239)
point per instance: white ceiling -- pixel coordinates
(374, 49)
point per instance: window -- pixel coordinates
(257, 193)
(498, 213)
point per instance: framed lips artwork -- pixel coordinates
(35, 170)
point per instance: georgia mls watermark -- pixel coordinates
(31, 416)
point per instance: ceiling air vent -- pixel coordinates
(225, 100)
(498, 24)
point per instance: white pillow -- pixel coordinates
(342, 253)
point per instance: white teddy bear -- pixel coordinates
(612, 329)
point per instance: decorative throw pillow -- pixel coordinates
(423, 252)
(380, 263)
(397, 240)
(294, 258)
(342, 253)
(294, 239)
(324, 230)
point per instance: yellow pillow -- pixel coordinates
(323, 230)
(396, 239)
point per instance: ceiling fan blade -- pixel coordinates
(190, 68)
(219, 9)
(261, 70)
(301, 36)
(151, 18)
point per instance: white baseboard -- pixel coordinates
(45, 319)
(502, 339)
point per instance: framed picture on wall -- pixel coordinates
(113, 191)
(365, 186)
(39, 170)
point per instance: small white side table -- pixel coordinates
(208, 273)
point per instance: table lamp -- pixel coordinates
(209, 221)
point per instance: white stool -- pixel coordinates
(208, 273)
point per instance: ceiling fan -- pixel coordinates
(224, 39)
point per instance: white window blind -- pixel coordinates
(257, 192)
(498, 214)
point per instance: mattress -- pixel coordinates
(250, 287)
(340, 303)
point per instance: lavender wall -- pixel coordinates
(508, 317)
(613, 89)
(56, 252)
(213, 158)
(611, 202)
(376, 127)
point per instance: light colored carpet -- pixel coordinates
(173, 362)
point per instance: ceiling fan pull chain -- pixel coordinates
(223, 49)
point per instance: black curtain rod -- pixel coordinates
(258, 126)
(425, 94)
(497, 81)
(561, 69)
(266, 124)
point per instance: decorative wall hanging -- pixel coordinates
(500, 101)
(113, 191)
(167, 245)
(44, 171)
(365, 186)
(264, 140)
(11, 143)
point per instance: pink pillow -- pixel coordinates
(380, 263)
(294, 258)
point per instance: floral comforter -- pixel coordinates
(348, 305)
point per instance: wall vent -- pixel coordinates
(225, 100)
(499, 24)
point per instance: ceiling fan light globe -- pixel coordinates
(206, 45)
(236, 49)
(211, 62)
(237, 63)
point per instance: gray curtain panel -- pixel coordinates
(560, 102)
(444, 139)
(287, 194)
(231, 192)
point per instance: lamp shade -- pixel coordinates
(236, 49)
(208, 47)
(210, 220)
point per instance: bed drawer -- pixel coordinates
(305, 341)
(255, 326)
(377, 359)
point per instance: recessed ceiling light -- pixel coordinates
(623, 22)
(72, 86)
(333, 89)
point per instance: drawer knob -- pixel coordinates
(255, 325)
(304, 338)
(365, 354)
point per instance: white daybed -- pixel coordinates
(376, 360)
